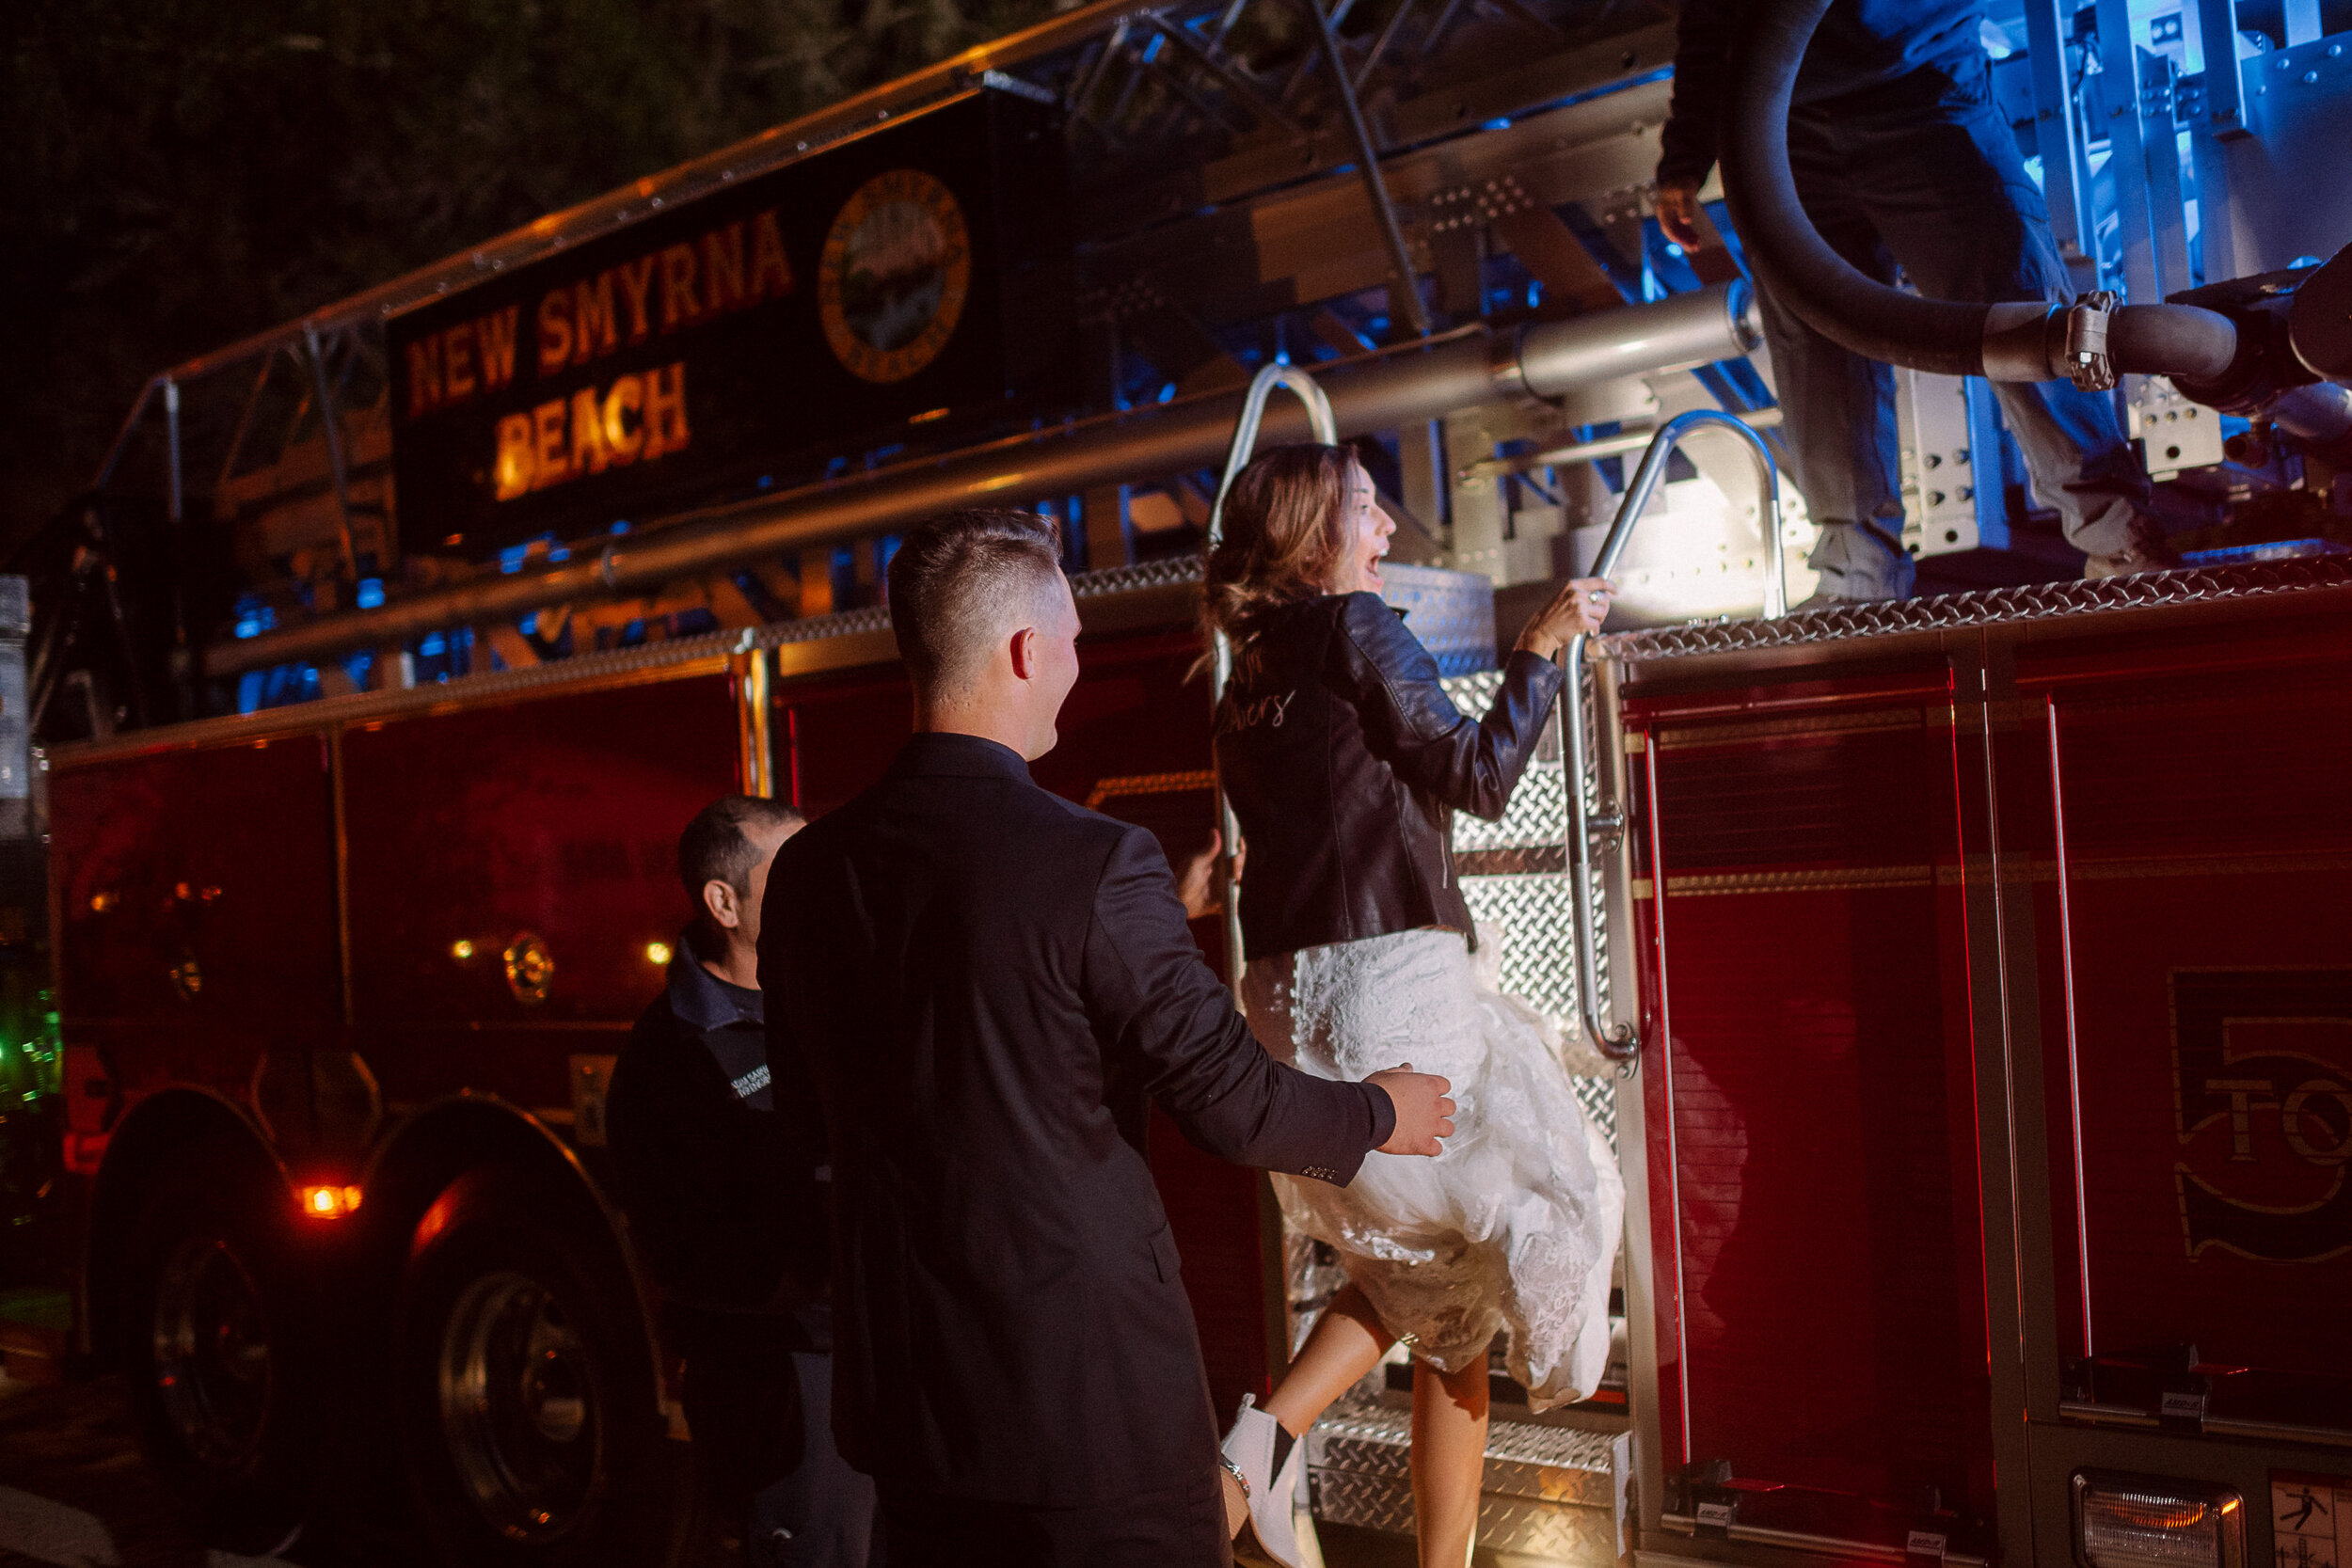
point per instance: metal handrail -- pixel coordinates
(1327, 430)
(1607, 817)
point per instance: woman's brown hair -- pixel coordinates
(1283, 520)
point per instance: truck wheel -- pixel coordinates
(211, 1336)
(524, 1385)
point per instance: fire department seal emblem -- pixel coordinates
(2263, 1066)
(895, 271)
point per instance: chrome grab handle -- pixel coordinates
(1327, 430)
(1606, 819)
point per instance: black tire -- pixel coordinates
(213, 1336)
(523, 1387)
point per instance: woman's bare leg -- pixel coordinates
(1448, 1460)
(1348, 1341)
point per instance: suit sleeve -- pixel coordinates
(1155, 1005)
(1413, 726)
(1687, 146)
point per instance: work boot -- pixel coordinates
(2146, 550)
(1857, 561)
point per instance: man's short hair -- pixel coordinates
(960, 579)
(717, 846)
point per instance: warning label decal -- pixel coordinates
(2307, 1520)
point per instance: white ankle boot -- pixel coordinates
(1269, 1462)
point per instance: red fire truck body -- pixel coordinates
(1995, 1044)
(346, 955)
(1988, 1132)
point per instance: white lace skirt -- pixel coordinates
(1514, 1227)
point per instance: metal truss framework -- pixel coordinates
(1254, 179)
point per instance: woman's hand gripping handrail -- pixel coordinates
(1607, 819)
(1325, 429)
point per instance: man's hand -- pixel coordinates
(1678, 213)
(1423, 1113)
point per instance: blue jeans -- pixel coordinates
(1923, 174)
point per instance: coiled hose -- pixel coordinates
(2009, 342)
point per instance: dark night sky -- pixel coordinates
(180, 173)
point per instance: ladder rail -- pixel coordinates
(1606, 819)
(1296, 381)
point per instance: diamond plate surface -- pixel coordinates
(1108, 583)
(815, 628)
(1531, 912)
(1451, 612)
(1558, 1532)
(1537, 816)
(1552, 1492)
(1991, 606)
(1376, 1436)
(1514, 880)
(1164, 573)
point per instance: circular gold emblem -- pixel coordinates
(895, 273)
(529, 968)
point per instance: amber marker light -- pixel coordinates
(331, 1203)
(658, 952)
(928, 416)
(461, 948)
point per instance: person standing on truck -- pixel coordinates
(992, 986)
(722, 1178)
(1902, 158)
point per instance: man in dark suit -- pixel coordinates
(990, 985)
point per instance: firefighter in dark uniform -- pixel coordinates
(722, 1173)
(1903, 159)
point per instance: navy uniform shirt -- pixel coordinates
(721, 1175)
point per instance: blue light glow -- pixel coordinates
(370, 593)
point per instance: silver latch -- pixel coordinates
(2087, 361)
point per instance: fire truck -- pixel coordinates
(1972, 972)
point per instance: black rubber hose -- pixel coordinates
(2171, 340)
(1796, 265)
(1791, 258)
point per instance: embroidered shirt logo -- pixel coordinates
(752, 1082)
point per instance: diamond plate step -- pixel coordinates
(1552, 1492)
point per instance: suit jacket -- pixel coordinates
(988, 985)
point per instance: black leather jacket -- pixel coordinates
(1344, 761)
